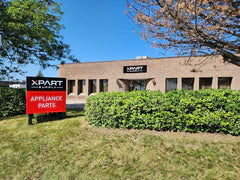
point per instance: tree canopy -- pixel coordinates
(191, 27)
(30, 31)
(39, 74)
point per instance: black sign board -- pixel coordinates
(46, 84)
(135, 69)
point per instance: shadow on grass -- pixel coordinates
(11, 117)
(41, 118)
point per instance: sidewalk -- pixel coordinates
(71, 104)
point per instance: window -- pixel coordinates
(188, 83)
(224, 82)
(82, 86)
(71, 86)
(137, 85)
(103, 85)
(171, 84)
(205, 83)
(92, 86)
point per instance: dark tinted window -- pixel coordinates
(171, 84)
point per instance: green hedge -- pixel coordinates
(12, 101)
(189, 111)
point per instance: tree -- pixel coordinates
(30, 31)
(191, 27)
(39, 74)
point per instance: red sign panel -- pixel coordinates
(44, 102)
(45, 95)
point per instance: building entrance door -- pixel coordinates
(137, 85)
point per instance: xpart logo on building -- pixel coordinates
(135, 69)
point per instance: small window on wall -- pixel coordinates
(224, 82)
(82, 86)
(103, 85)
(187, 83)
(71, 86)
(92, 86)
(171, 84)
(205, 83)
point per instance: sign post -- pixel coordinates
(30, 116)
(45, 95)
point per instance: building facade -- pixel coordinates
(164, 74)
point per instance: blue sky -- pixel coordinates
(98, 30)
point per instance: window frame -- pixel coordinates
(202, 78)
(166, 80)
(71, 84)
(230, 82)
(90, 87)
(81, 85)
(192, 78)
(101, 85)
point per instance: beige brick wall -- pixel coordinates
(157, 72)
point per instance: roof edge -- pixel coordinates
(170, 57)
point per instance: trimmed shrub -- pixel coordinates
(179, 110)
(12, 101)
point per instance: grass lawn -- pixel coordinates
(72, 149)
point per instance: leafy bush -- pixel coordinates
(190, 111)
(12, 101)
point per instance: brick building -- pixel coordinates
(165, 74)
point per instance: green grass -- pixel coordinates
(72, 149)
